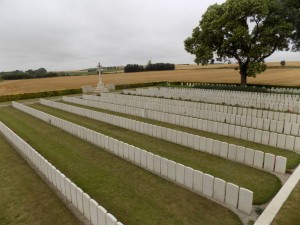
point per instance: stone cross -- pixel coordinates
(99, 69)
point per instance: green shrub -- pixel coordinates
(138, 85)
(6, 98)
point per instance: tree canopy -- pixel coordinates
(246, 30)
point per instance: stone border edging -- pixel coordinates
(277, 202)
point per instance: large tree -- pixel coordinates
(246, 30)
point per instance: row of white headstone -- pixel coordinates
(285, 91)
(251, 97)
(87, 206)
(246, 121)
(250, 157)
(201, 183)
(283, 141)
(165, 104)
(287, 106)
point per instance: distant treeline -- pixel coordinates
(129, 68)
(30, 74)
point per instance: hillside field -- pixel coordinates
(289, 76)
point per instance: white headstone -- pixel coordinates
(150, 161)
(86, 206)
(297, 145)
(131, 151)
(208, 185)
(232, 152)
(295, 129)
(265, 137)
(73, 189)
(258, 159)
(190, 140)
(198, 181)
(269, 162)
(157, 166)
(251, 133)
(225, 129)
(237, 132)
(101, 215)
(216, 147)
(93, 211)
(68, 189)
(137, 156)
(188, 177)
(245, 200)
(219, 189)
(232, 194)
(280, 164)
(240, 154)
(289, 143)
(144, 158)
(110, 219)
(279, 127)
(249, 156)
(273, 125)
(196, 142)
(281, 141)
(244, 133)
(258, 136)
(180, 173)
(164, 167)
(209, 145)
(203, 144)
(171, 170)
(273, 139)
(287, 127)
(224, 150)
(79, 197)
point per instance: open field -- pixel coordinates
(265, 187)
(130, 193)
(284, 76)
(289, 213)
(25, 198)
(216, 66)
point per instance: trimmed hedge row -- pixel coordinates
(138, 85)
(7, 98)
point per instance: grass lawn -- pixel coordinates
(130, 193)
(265, 186)
(293, 159)
(289, 213)
(25, 198)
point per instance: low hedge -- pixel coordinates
(7, 98)
(138, 85)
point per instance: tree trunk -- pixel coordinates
(243, 79)
(243, 73)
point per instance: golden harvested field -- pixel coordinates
(210, 66)
(284, 76)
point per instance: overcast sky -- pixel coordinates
(77, 34)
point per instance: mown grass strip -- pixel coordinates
(293, 159)
(265, 186)
(25, 198)
(289, 213)
(130, 193)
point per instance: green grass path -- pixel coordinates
(289, 213)
(130, 193)
(25, 198)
